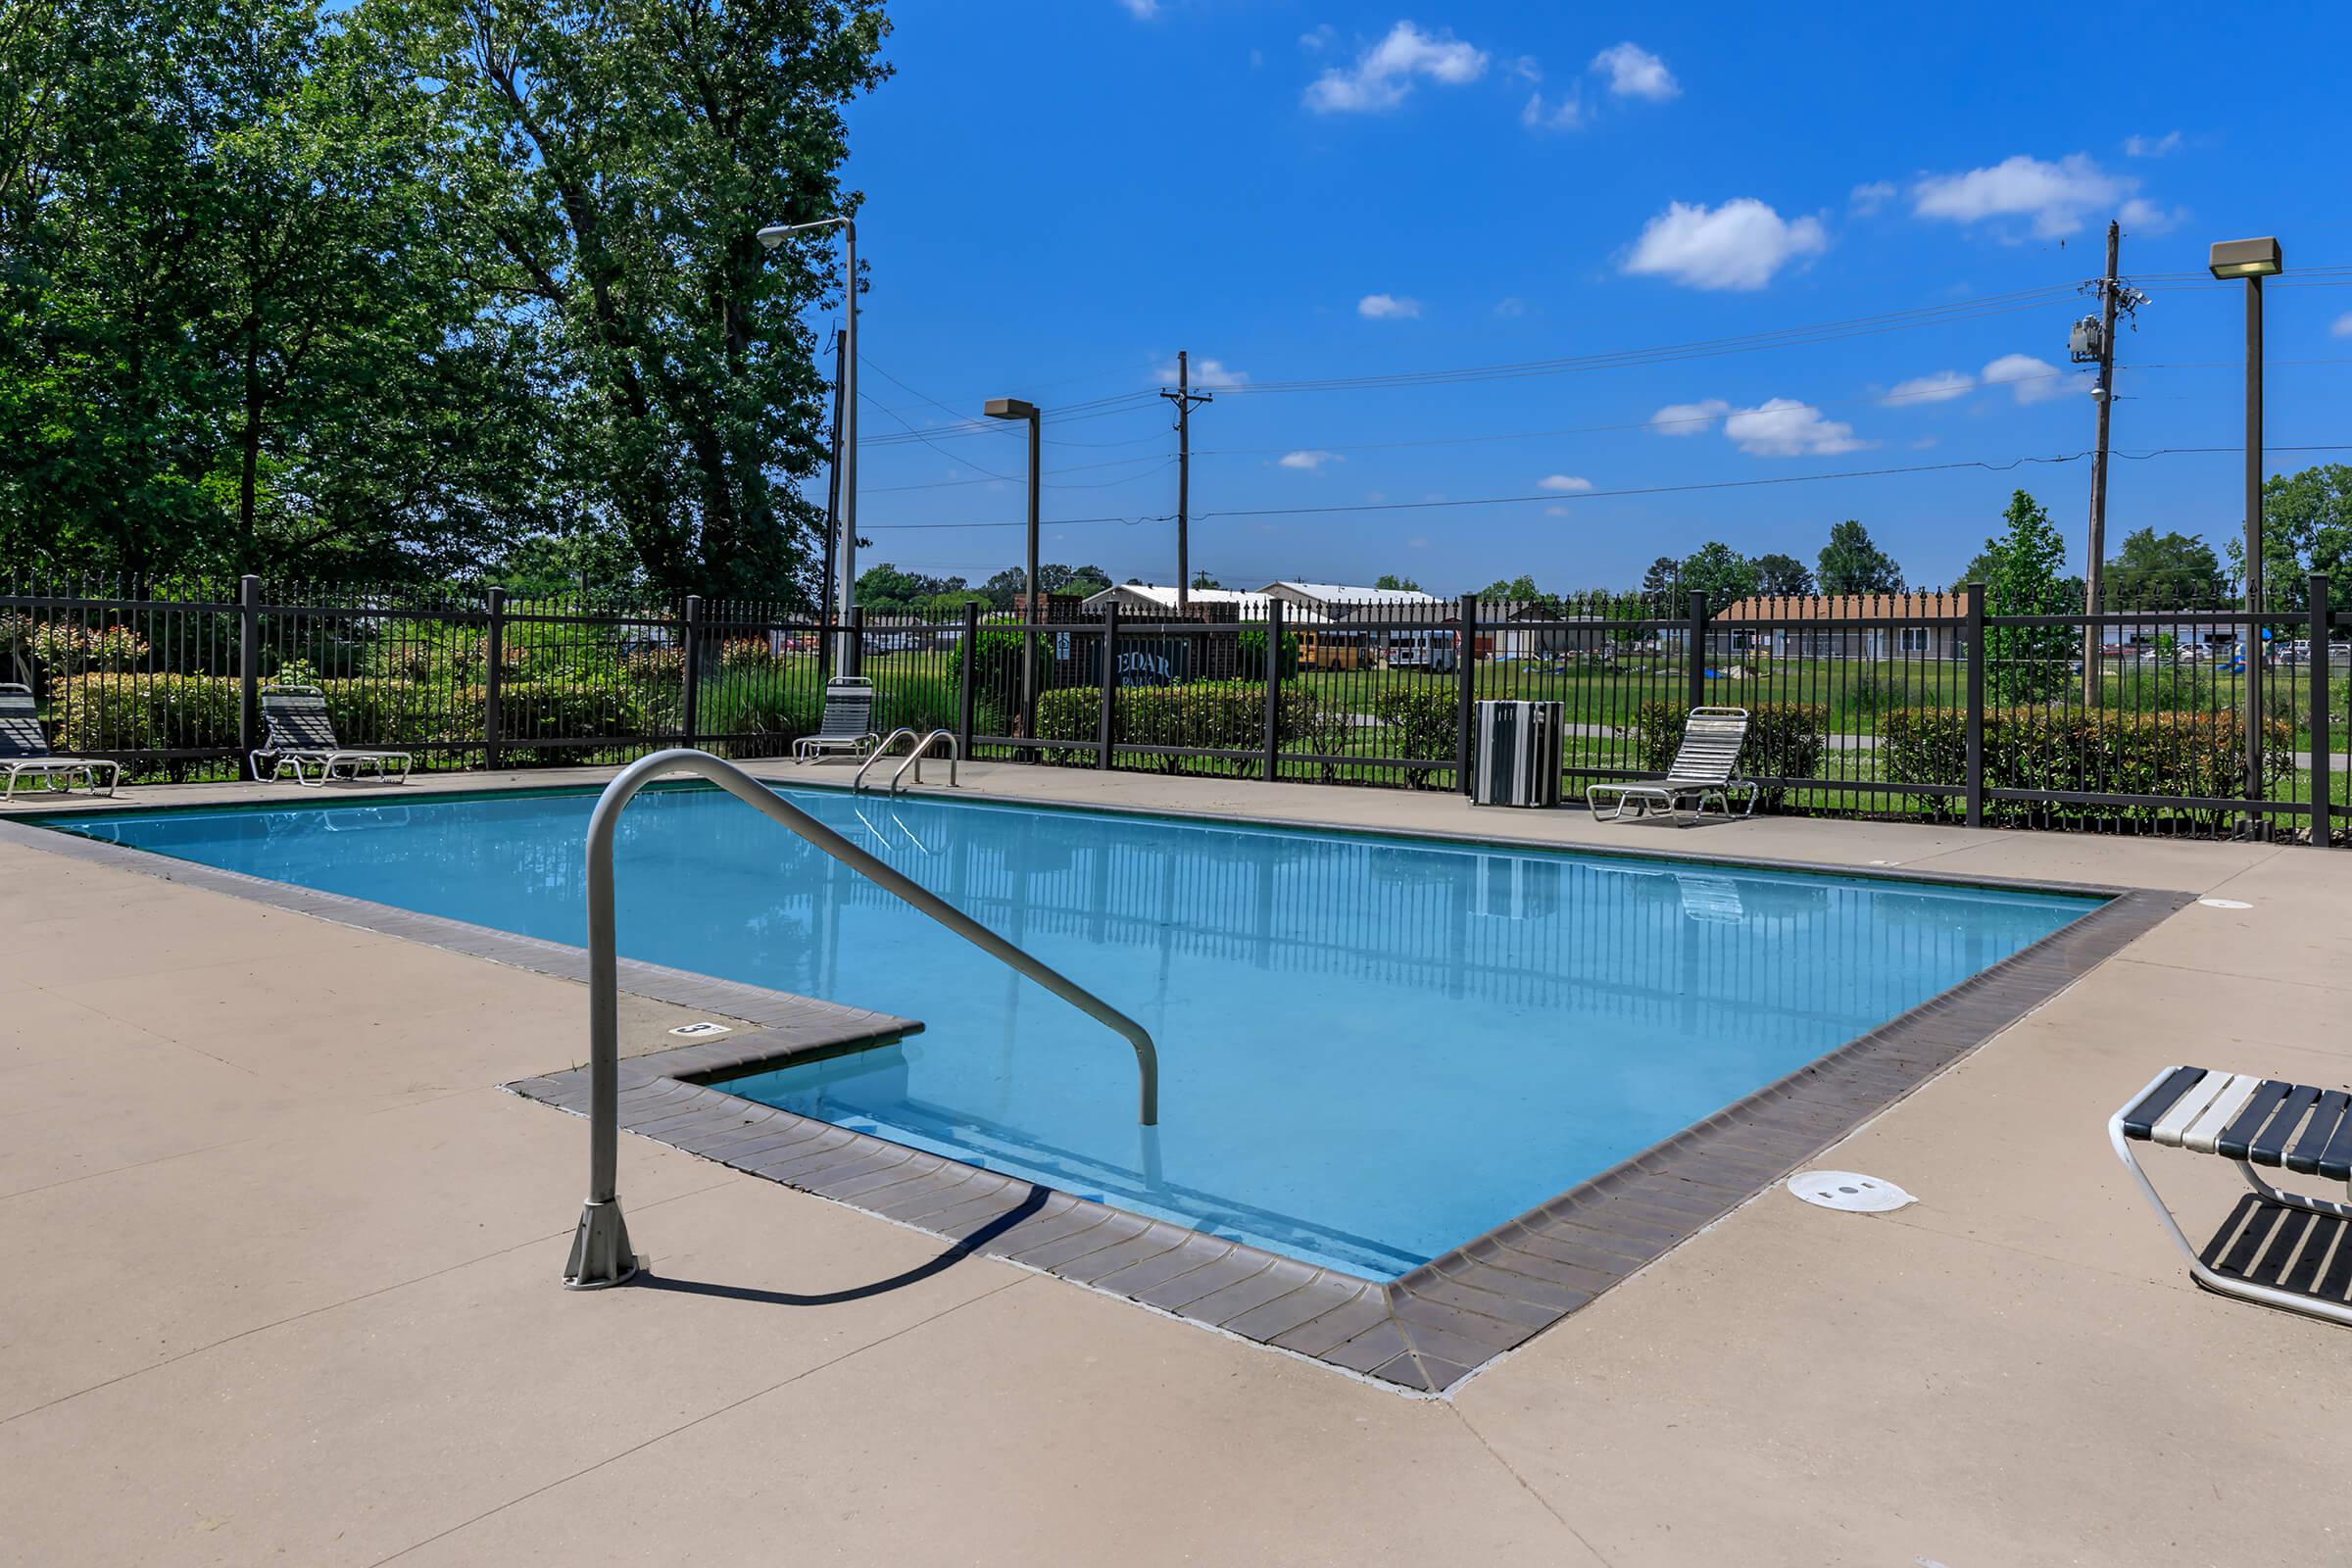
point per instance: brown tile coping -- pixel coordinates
(1422, 1331)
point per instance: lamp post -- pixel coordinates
(1018, 409)
(843, 587)
(2252, 259)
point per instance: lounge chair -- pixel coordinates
(2251, 1121)
(25, 751)
(1706, 767)
(846, 724)
(300, 736)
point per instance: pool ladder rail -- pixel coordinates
(599, 1247)
(923, 747)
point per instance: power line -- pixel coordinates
(1557, 497)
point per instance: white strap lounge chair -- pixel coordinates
(24, 752)
(2251, 1121)
(846, 725)
(301, 736)
(1705, 768)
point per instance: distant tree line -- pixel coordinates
(409, 288)
(888, 590)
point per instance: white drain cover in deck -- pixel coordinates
(1848, 1191)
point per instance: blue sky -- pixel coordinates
(1059, 197)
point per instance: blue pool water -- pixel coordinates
(1372, 1049)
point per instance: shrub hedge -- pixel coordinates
(1218, 715)
(2105, 751)
(1785, 740)
(153, 713)
(1421, 721)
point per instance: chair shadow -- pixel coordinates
(958, 1250)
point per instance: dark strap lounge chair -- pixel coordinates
(302, 737)
(24, 752)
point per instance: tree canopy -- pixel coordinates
(1852, 562)
(2024, 574)
(2164, 572)
(393, 289)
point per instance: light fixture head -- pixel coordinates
(773, 235)
(1008, 409)
(2245, 258)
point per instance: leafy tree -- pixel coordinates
(1390, 582)
(2025, 575)
(885, 589)
(1083, 581)
(1784, 575)
(1852, 563)
(234, 332)
(949, 606)
(1721, 572)
(2165, 571)
(1659, 580)
(1202, 579)
(616, 161)
(1519, 590)
(2306, 527)
(1007, 586)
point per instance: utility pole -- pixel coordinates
(2094, 568)
(832, 514)
(1184, 398)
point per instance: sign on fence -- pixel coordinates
(1145, 661)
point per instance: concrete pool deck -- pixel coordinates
(285, 1260)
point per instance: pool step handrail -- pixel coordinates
(923, 748)
(858, 779)
(599, 1247)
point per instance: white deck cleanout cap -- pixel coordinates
(1848, 1191)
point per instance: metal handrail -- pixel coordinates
(858, 779)
(923, 748)
(600, 1248)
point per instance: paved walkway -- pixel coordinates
(285, 1291)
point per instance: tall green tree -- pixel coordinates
(1659, 580)
(2306, 527)
(1783, 575)
(1852, 562)
(1390, 582)
(2165, 571)
(2024, 574)
(619, 160)
(233, 335)
(1721, 572)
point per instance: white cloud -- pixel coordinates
(1634, 73)
(2152, 146)
(2343, 325)
(1310, 460)
(1940, 387)
(1383, 75)
(1510, 307)
(1783, 427)
(1739, 245)
(1387, 306)
(1142, 10)
(1868, 199)
(2142, 217)
(1555, 512)
(1526, 69)
(1565, 113)
(2029, 380)
(1322, 39)
(1209, 374)
(1688, 419)
(1564, 482)
(2057, 197)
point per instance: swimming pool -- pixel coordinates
(1372, 1049)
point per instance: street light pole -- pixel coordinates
(1019, 408)
(2252, 259)
(844, 584)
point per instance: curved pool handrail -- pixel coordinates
(858, 779)
(923, 748)
(600, 1248)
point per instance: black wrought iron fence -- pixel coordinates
(2194, 719)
